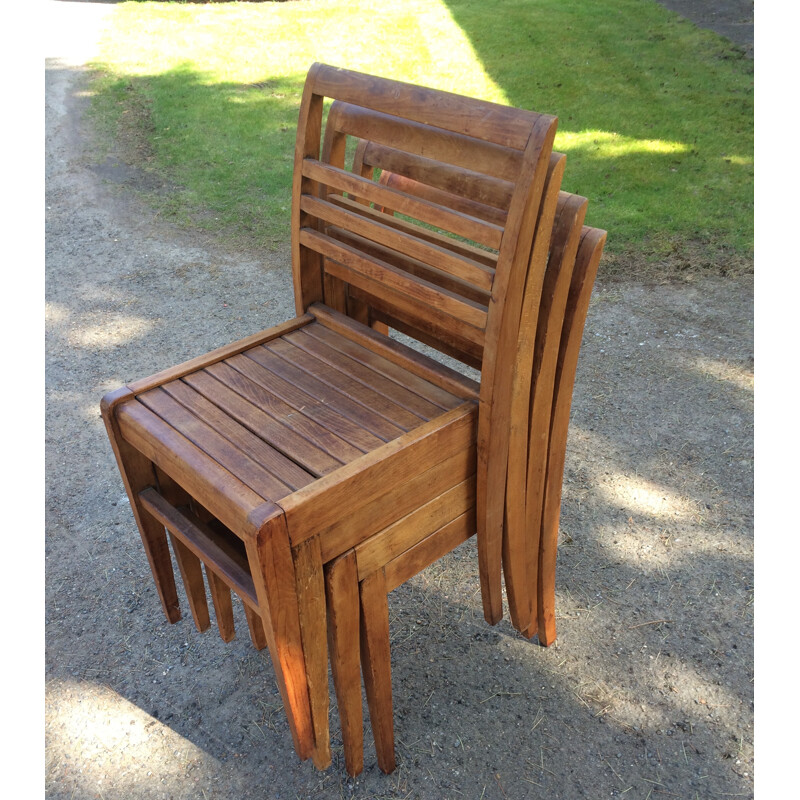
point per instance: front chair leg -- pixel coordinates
(137, 474)
(256, 626)
(376, 665)
(341, 592)
(310, 583)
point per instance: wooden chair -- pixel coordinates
(359, 581)
(280, 454)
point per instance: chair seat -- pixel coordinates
(273, 418)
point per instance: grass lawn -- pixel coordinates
(655, 115)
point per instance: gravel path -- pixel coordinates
(648, 692)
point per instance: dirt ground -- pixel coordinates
(648, 692)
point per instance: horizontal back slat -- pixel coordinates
(463, 268)
(414, 138)
(456, 180)
(486, 257)
(413, 266)
(352, 265)
(439, 216)
(428, 224)
(464, 344)
(503, 125)
(463, 205)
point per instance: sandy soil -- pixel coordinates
(648, 692)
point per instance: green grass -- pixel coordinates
(655, 115)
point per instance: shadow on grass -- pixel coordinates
(655, 115)
(228, 148)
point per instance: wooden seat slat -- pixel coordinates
(440, 217)
(294, 446)
(420, 386)
(325, 349)
(220, 449)
(364, 396)
(319, 410)
(240, 427)
(239, 395)
(300, 370)
(256, 378)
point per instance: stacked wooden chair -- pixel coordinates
(313, 467)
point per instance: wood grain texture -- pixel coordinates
(256, 627)
(590, 251)
(324, 502)
(498, 362)
(191, 571)
(270, 557)
(554, 294)
(310, 589)
(341, 593)
(223, 607)
(377, 666)
(315, 466)
(138, 473)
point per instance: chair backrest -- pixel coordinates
(438, 271)
(451, 264)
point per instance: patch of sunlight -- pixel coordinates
(691, 696)
(733, 374)
(109, 330)
(643, 497)
(416, 41)
(452, 63)
(98, 740)
(740, 161)
(609, 144)
(55, 313)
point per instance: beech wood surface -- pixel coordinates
(563, 249)
(589, 252)
(532, 314)
(341, 592)
(313, 467)
(376, 665)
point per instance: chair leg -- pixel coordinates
(256, 626)
(138, 473)
(270, 559)
(189, 564)
(310, 584)
(223, 607)
(376, 665)
(192, 573)
(341, 591)
(546, 611)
